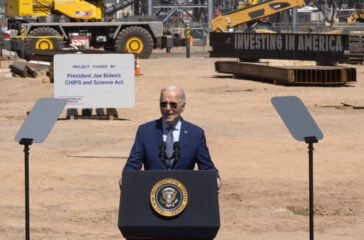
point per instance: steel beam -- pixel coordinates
(305, 75)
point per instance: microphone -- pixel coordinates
(162, 152)
(176, 153)
(162, 146)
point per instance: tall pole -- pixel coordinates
(310, 141)
(310, 152)
(150, 7)
(26, 158)
(294, 19)
(210, 12)
(188, 41)
(26, 142)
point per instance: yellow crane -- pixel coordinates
(138, 37)
(80, 10)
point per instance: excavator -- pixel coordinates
(86, 26)
(252, 12)
(356, 16)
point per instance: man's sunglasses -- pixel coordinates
(172, 104)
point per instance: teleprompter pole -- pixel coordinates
(310, 141)
(26, 142)
(35, 129)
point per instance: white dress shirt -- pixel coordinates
(176, 130)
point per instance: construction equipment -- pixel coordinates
(356, 16)
(252, 13)
(139, 35)
(247, 3)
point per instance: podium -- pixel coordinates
(178, 204)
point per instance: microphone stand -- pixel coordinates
(169, 165)
(162, 153)
(176, 153)
(169, 162)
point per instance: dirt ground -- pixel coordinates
(74, 192)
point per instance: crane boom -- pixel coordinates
(254, 12)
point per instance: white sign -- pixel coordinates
(95, 80)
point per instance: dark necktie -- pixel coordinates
(169, 142)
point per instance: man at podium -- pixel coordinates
(170, 143)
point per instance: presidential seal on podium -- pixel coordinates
(169, 197)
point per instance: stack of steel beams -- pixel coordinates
(302, 75)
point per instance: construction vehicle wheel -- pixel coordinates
(135, 40)
(43, 38)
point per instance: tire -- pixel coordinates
(32, 44)
(134, 40)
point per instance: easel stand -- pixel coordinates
(26, 142)
(310, 141)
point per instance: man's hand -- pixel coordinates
(219, 184)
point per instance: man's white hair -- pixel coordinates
(173, 87)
